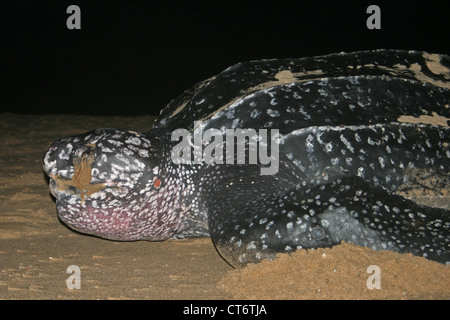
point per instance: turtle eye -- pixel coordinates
(156, 182)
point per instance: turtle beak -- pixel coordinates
(69, 174)
(56, 166)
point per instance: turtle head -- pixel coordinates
(108, 183)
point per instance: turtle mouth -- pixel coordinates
(58, 192)
(62, 188)
(82, 207)
(92, 208)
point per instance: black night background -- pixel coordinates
(133, 57)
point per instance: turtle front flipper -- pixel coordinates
(346, 209)
(334, 184)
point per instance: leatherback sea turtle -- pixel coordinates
(341, 137)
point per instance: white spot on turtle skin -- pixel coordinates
(323, 92)
(230, 114)
(200, 102)
(328, 147)
(309, 144)
(235, 123)
(273, 113)
(382, 162)
(115, 142)
(334, 161)
(251, 246)
(347, 143)
(49, 164)
(143, 153)
(360, 172)
(255, 113)
(65, 153)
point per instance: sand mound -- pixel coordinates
(340, 273)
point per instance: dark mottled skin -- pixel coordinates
(343, 155)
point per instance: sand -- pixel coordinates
(345, 271)
(36, 248)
